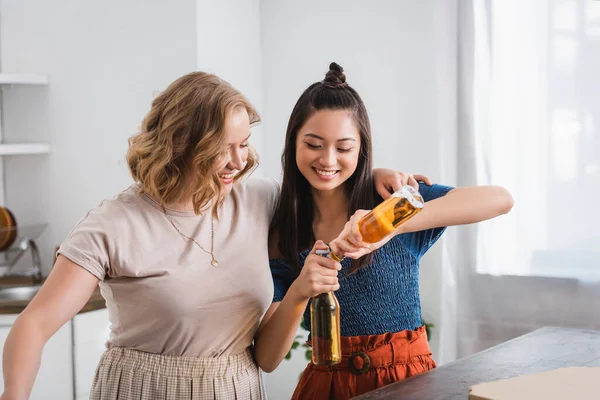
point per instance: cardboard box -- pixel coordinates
(579, 383)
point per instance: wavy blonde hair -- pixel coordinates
(181, 143)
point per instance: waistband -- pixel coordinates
(179, 366)
(359, 353)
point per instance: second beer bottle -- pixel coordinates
(325, 326)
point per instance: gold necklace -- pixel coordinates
(213, 261)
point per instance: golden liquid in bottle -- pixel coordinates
(388, 215)
(325, 329)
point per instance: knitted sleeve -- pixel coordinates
(419, 242)
(283, 277)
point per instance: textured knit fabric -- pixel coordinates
(383, 296)
(392, 357)
(125, 374)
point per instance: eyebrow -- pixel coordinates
(347, 139)
(250, 134)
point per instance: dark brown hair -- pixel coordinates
(295, 212)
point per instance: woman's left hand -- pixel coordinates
(349, 242)
(388, 181)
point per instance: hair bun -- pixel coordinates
(335, 77)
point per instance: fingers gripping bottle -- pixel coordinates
(325, 326)
(391, 213)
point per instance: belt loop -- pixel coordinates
(400, 351)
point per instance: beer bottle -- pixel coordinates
(325, 326)
(387, 216)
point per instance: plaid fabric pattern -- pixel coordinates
(131, 374)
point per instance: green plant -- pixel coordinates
(299, 342)
(428, 326)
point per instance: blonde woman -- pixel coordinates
(184, 287)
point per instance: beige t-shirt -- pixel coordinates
(162, 293)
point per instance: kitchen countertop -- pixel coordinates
(542, 350)
(96, 301)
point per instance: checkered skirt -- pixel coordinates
(131, 374)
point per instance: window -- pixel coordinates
(537, 111)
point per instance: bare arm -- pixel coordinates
(64, 293)
(280, 324)
(461, 206)
(278, 331)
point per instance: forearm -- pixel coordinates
(461, 206)
(63, 294)
(275, 339)
(21, 358)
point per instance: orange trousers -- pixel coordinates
(368, 363)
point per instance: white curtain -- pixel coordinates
(528, 109)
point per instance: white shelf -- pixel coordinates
(22, 149)
(23, 79)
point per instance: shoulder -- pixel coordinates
(259, 193)
(259, 187)
(111, 213)
(127, 202)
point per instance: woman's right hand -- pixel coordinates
(350, 244)
(318, 275)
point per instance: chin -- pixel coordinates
(325, 186)
(226, 189)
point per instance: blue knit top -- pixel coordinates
(383, 296)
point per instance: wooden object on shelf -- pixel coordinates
(8, 228)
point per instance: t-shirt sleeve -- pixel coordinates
(283, 277)
(419, 242)
(264, 195)
(88, 244)
(274, 190)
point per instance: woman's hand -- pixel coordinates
(318, 275)
(349, 242)
(388, 181)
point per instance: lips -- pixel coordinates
(227, 178)
(325, 174)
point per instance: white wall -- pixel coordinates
(386, 49)
(389, 50)
(105, 61)
(229, 46)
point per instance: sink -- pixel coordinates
(19, 293)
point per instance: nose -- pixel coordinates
(236, 160)
(328, 158)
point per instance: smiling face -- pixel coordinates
(237, 135)
(327, 148)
